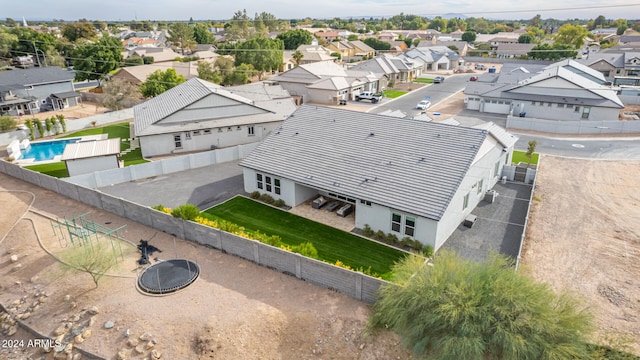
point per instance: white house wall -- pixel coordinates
(296, 89)
(321, 96)
(163, 144)
(483, 169)
(90, 165)
(378, 217)
(561, 111)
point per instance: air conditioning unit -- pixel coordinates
(490, 196)
(504, 179)
(470, 220)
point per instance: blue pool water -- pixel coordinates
(46, 150)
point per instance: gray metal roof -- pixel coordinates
(36, 76)
(93, 148)
(198, 104)
(409, 165)
(66, 95)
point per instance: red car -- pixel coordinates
(473, 78)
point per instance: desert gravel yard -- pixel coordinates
(584, 236)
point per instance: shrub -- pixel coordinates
(406, 241)
(62, 122)
(391, 239)
(158, 207)
(380, 235)
(279, 203)
(11, 159)
(186, 212)
(29, 124)
(266, 198)
(391, 84)
(48, 125)
(427, 251)
(255, 195)
(306, 249)
(417, 245)
(367, 231)
(40, 127)
(7, 123)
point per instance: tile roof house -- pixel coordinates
(158, 54)
(393, 68)
(198, 115)
(325, 82)
(512, 50)
(27, 91)
(139, 73)
(566, 90)
(424, 184)
(433, 58)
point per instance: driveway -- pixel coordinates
(498, 227)
(204, 187)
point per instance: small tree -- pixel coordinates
(297, 57)
(94, 259)
(530, 150)
(29, 124)
(459, 309)
(186, 212)
(60, 118)
(40, 127)
(48, 125)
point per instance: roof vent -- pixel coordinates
(371, 134)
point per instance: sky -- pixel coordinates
(126, 10)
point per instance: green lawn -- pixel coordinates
(423, 80)
(332, 244)
(393, 93)
(57, 169)
(520, 156)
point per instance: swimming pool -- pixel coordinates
(46, 150)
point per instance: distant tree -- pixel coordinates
(239, 26)
(262, 53)
(525, 39)
(482, 49)
(552, 52)
(160, 81)
(148, 60)
(599, 22)
(9, 22)
(297, 57)
(292, 39)
(462, 309)
(116, 93)
(240, 75)
(7, 42)
(531, 148)
(337, 54)
(181, 35)
(469, 36)
(202, 35)
(352, 37)
(96, 60)
(79, 30)
(621, 29)
(571, 35)
(207, 71)
(269, 21)
(377, 44)
(535, 21)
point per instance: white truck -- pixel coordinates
(368, 95)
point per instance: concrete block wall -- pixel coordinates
(574, 127)
(357, 285)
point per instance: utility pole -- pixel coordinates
(35, 50)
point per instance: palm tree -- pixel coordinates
(297, 56)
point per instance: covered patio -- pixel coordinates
(324, 216)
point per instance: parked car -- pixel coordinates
(480, 67)
(438, 79)
(473, 78)
(423, 105)
(367, 95)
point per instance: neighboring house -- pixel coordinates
(139, 73)
(135, 42)
(433, 58)
(461, 46)
(314, 53)
(513, 50)
(392, 68)
(424, 184)
(85, 157)
(328, 35)
(30, 90)
(398, 46)
(362, 49)
(566, 90)
(615, 65)
(351, 48)
(158, 54)
(198, 115)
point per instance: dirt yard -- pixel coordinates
(234, 310)
(584, 236)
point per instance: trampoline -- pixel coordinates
(168, 276)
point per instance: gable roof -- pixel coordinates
(419, 171)
(198, 104)
(158, 54)
(36, 76)
(142, 72)
(311, 73)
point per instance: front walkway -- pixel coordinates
(323, 216)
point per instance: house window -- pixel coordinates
(480, 186)
(496, 169)
(267, 179)
(208, 131)
(395, 222)
(196, 133)
(365, 202)
(585, 112)
(549, 104)
(187, 135)
(259, 181)
(251, 130)
(276, 186)
(465, 201)
(576, 109)
(177, 141)
(229, 128)
(409, 226)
